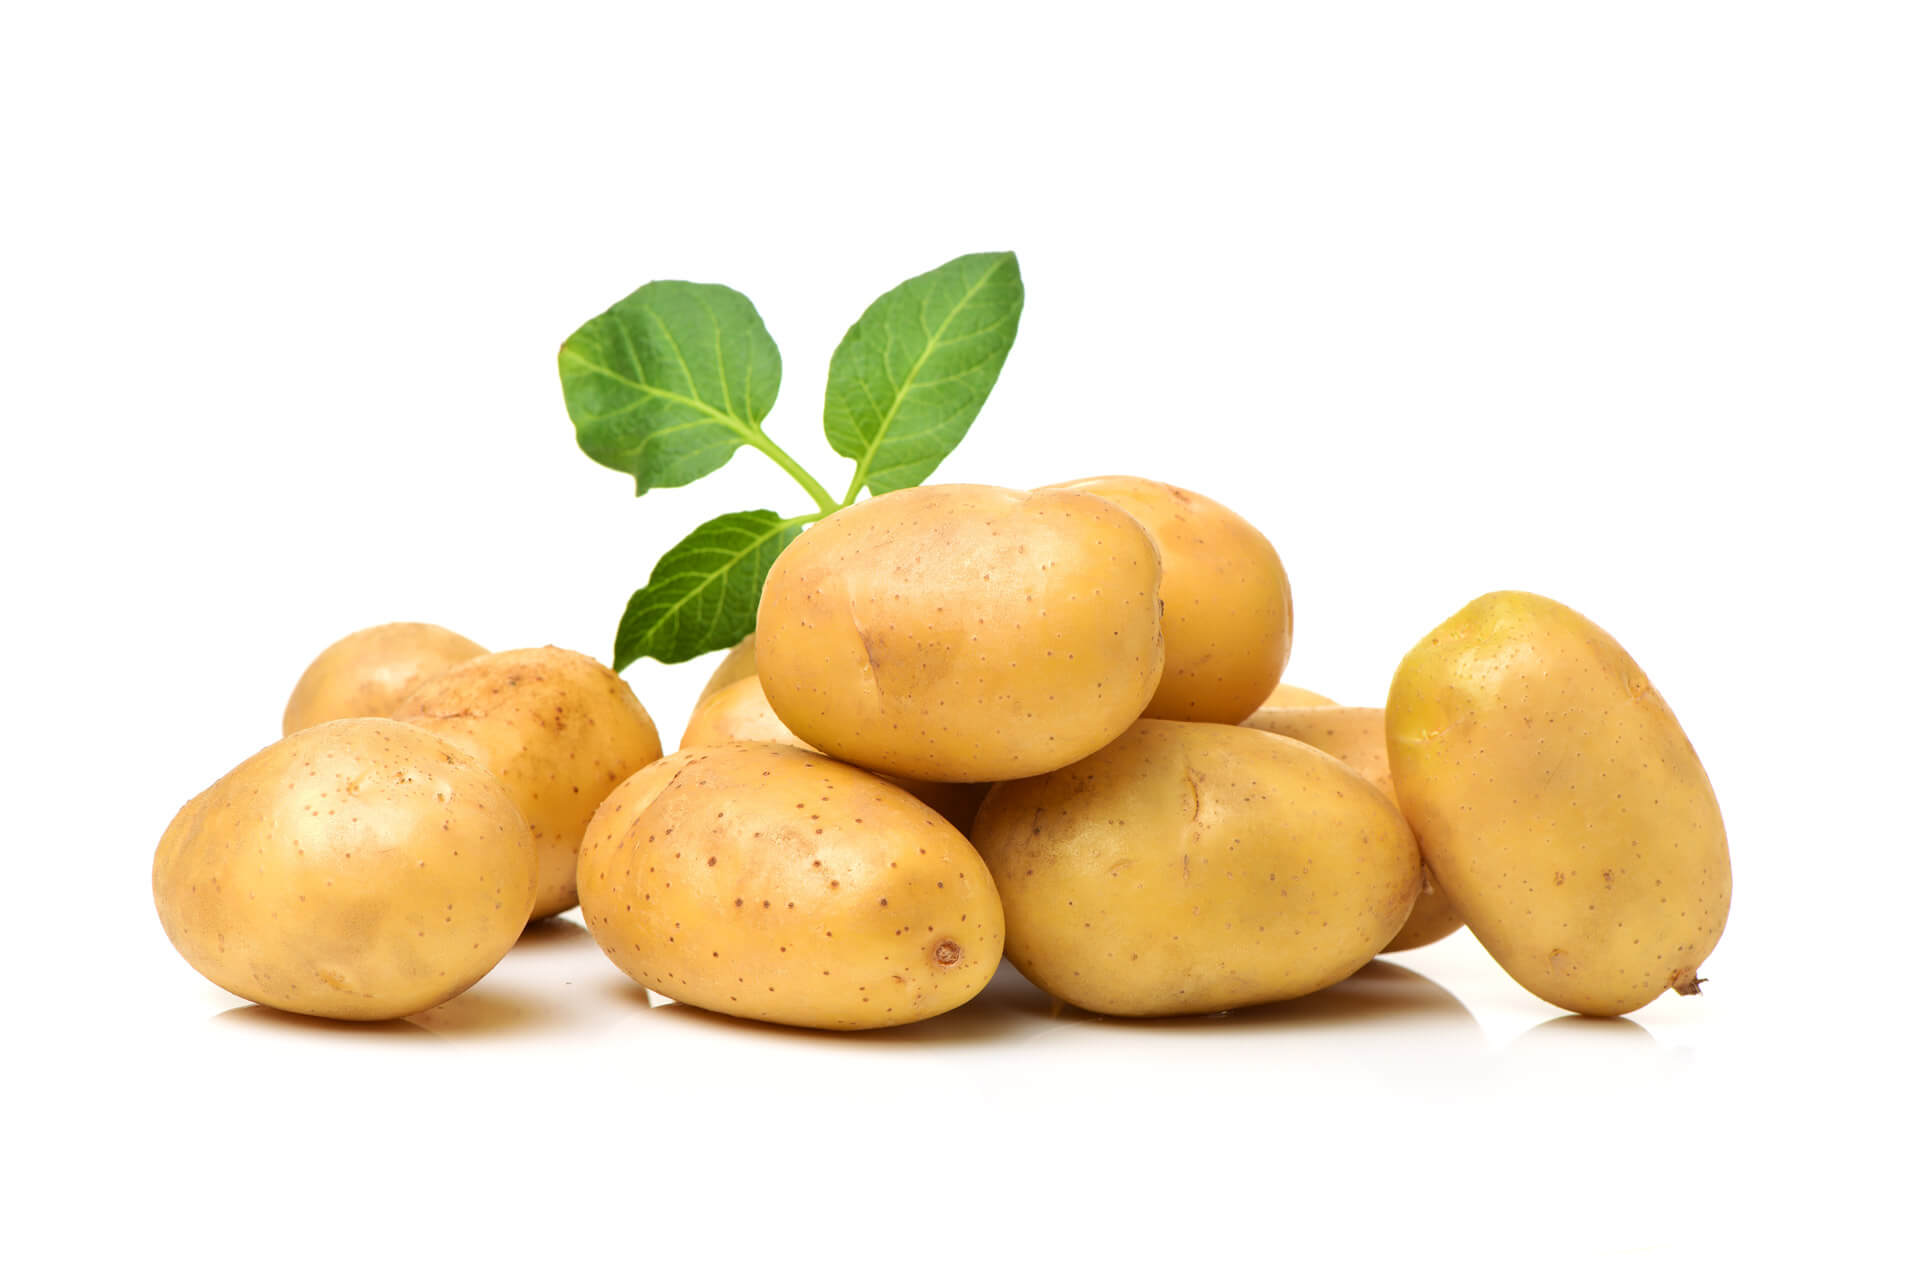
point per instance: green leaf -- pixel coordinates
(910, 376)
(704, 592)
(669, 381)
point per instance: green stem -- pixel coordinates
(859, 478)
(815, 490)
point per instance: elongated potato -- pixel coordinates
(1357, 737)
(361, 869)
(963, 633)
(741, 713)
(1559, 803)
(368, 672)
(771, 883)
(1189, 868)
(559, 729)
(1229, 606)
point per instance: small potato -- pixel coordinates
(1190, 868)
(741, 713)
(963, 633)
(559, 729)
(1357, 737)
(1560, 804)
(771, 883)
(1229, 606)
(361, 869)
(738, 664)
(1287, 695)
(366, 673)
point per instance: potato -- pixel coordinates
(738, 664)
(1559, 804)
(559, 729)
(1357, 737)
(1229, 607)
(366, 673)
(741, 713)
(360, 869)
(768, 882)
(1287, 695)
(963, 633)
(1190, 868)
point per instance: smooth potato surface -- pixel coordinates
(1559, 803)
(1357, 737)
(738, 664)
(361, 869)
(559, 729)
(963, 633)
(1288, 695)
(367, 673)
(1229, 606)
(771, 883)
(1190, 868)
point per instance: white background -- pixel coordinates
(1615, 303)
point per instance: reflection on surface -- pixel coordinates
(1617, 1034)
(553, 933)
(482, 1012)
(257, 1017)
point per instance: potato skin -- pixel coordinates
(771, 883)
(1289, 695)
(1357, 737)
(963, 633)
(367, 673)
(1559, 804)
(557, 728)
(361, 869)
(1190, 868)
(737, 665)
(1229, 606)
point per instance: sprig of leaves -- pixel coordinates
(669, 382)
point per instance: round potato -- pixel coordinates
(559, 729)
(771, 883)
(741, 713)
(367, 673)
(963, 633)
(360, 869)
(1190, 868)
(1289, 695)
(1357, 737)
(738, 664)
(1229, 606)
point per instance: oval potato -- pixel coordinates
(771, 883)
(963, 633)
(738, 664)
(367, 673)
(1288, 695)
(1190, 868)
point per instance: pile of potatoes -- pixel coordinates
(972, 722)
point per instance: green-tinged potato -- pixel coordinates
(367, 673)
(741, 713)
(963, 633)
(360, 869)
(1190, 868)
(1559, 804)
(1229, 606)
(772, 883)
(1357, 737)
(1288, 695)
(738, 664)
(559, 729)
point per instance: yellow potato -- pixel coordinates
(738, 664)
(1287, 695)
(559, 729)
(1229, 606)
(1357, 737)
(1559, 804)
(771, 883)
(1190, 868)
(741, 713)
(366, 673)
(963, 633)
(361, 869)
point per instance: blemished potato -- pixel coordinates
(559, 729)
(367, 673)
(361, 869)
(1229, 606)
(1357, 737)
(1191, 868)
(772, 883)
(963, 633)
(738, 664)
(741, 713)
(1288, 695)
(1559, 804)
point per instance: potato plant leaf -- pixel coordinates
(705, 591)
(669, 381)
(911, 374)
